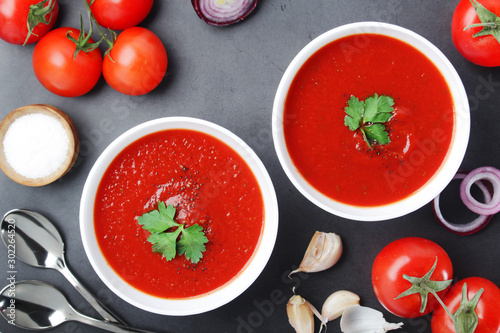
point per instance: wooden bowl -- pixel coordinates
(68, 126)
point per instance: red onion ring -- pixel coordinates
(480, 174)
(471, 227)
(221, 13)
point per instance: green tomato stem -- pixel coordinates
(36, 15)
(491, 25)
(110, 42)
(448, 312)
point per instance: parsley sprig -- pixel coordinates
(160, 223)
(369, 116)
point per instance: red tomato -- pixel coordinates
(483, 50)
(120, 14)
(14, 20)
(487, 310)
(412, 256)
(139, 62)
(58, 71)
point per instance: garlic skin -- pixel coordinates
(323, 252)
(337, 302)
(300, 315)
(362, 319)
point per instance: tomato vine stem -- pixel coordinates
(446, 309)
(490, 25)
(36, 15)
(464, 319)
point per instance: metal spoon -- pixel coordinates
(38, 243)
(35, 305)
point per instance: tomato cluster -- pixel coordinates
(406, 270)
(69, 63)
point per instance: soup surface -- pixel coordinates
(337, 161)
(208, 183)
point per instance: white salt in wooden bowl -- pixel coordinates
(41, 146)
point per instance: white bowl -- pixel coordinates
(205, 302)
(444, 174)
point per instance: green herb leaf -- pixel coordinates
(489, 21)
(158, 222)
(369, 116)
(377, 132)
(378, 109)
(192, 243)
(165, 243)
(355, 110)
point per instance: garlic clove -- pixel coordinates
(362, 319)
(337, 302)
(323, 252)
(300, 314)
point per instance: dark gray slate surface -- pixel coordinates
(229, 76)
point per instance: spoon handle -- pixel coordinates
(106, 313)
(106, 325)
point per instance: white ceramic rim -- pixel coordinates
(452, 161)
(207, 302)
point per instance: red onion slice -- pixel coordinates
(490, 174)
(471, 227)
(223, 12)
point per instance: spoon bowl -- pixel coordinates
(38, 306)
(35, 305)
(39, 244)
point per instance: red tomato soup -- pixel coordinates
(337, 161)
(208, 183)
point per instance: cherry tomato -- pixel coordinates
(139, 62)
(57, 69)
(482, 50)
(14, 20)
(120, 14)
(487, 309)
(415, 257)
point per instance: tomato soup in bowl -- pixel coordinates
(220, 203)
(370, 121)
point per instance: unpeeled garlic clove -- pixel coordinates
(362, 319)
(337, 302)
(323, 252)
(300, 314)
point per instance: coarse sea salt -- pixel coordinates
(35, 145)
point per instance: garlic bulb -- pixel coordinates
(337, 302)
(362, 319)
(300, 314)
(323, 252)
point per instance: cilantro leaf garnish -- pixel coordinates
(159, 222)
(369, 116)
(192, 243)
(165, 243)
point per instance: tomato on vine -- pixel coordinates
(476, 301)
(67, 62)
(120, 14)
(136, 63)
(475, 29)
(26, 21)
(403, 267)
